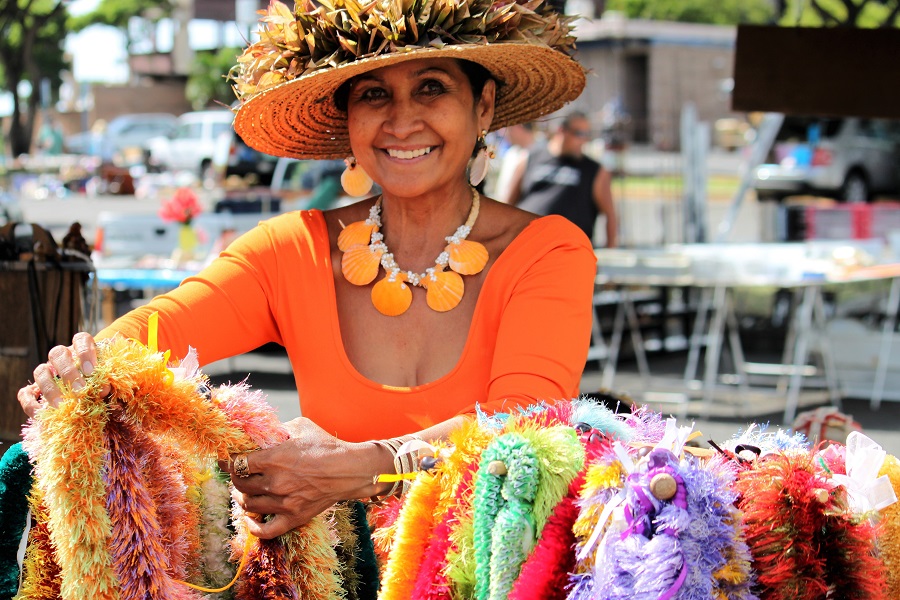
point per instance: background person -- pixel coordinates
(558, 179)
(386, 338)
(521, 138)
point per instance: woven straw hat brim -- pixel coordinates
(298, 119)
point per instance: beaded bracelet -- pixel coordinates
(403, 463)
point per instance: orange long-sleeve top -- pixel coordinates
(528, 339)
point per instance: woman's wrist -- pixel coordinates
(392, 461)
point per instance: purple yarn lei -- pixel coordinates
(671, 550)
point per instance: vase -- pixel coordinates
(187, 244)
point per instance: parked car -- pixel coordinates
(234, 157)
(192, 145)
(124, 139)
(309, 184)
(849, 159)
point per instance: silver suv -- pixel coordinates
(849, 159)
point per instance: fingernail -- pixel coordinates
(77, 385)
(87, 368)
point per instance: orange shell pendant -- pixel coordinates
(467, 258)
(360, 265)
(445, 292)
(354, 234)
(392, 298)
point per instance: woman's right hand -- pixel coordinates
(65, 364)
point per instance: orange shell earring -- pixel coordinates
(354, 179)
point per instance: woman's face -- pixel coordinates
(413, 125)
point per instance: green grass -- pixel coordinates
(665, 186)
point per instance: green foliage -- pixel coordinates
(717, 12)
(207, 83)
(117, 13)
(830, 13)
(31, 49)
(31, 42)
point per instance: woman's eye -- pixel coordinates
(372, 94)
(433, 87)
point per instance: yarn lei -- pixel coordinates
(391, 296)
(120, 484)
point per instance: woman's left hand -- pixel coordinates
(301, 477)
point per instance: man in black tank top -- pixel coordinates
(558, 179)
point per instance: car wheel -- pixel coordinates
(855, 189)
(770, 196)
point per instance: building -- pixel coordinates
(652, 69)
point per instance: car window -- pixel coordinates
(187, 131)
(220, 128)
(805, 129)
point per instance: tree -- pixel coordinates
(718, 12)
(207, 83)
(841, 13)
(31, 50)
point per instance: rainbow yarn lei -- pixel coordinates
(547, 503)
(128, 501)
(562, 501)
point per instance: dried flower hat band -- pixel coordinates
(287, 80)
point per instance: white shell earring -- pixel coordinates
(479, 166)
(354, 180)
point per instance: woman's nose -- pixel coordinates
(405, 118)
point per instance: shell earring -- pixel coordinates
(354, 180)
(479, 168)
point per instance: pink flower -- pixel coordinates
(182, 207)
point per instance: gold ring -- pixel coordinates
(241, 466)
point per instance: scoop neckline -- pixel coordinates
(323, 244)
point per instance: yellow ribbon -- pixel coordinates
(392, 477)
(153, 332)
(240, 569)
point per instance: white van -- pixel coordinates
(192, 145)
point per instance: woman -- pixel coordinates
(388, 335)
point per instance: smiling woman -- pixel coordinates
(405, 313)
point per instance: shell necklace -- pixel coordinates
(365, 251)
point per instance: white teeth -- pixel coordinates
(408, 154)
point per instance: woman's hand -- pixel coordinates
(303, 476)
(65, 364)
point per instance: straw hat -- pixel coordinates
(287, 91)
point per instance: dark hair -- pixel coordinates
(477, 75)
(573, 116)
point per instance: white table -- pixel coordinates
(716, 322)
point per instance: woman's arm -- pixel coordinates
(226, 309)
(303, 476)
(545, 329)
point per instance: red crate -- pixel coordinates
(840, 222)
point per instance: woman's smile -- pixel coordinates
(409, 154)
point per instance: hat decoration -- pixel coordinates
(525, 44)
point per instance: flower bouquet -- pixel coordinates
(182, 207)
